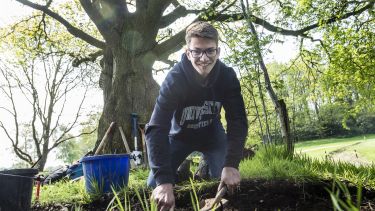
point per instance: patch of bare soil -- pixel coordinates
(286, 195)
(350, 157)
(252, 195)
(343, 154)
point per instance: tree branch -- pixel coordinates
(15, 141)
(71, 29)
(177, 13)
(70, 127)
(95, 16)
(91, 58)
(109, 17)
(57, 143)
(170, 64)
(336, 18)
(169, 46)
(288, 32)
(156, 8)
(176, 42)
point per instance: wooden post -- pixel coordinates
(127, 148)
(143, 140)
(104, 141)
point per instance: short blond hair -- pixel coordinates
(201, 29)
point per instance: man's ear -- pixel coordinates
(187, 52)
(218, 52)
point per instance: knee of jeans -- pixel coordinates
(215, 174)
(215, 171)
(151, 184)
(151, 181)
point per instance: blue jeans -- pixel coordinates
(213, 148)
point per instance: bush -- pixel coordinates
(331, 123)
(366, 123)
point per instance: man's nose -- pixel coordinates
(204, 57)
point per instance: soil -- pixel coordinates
(252, 195)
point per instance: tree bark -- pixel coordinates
(280, 106)
(264, 107)
(128, 87)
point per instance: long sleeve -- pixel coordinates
(157, 131)
(237, 126)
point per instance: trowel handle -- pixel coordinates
(134, 121)
(220, 194)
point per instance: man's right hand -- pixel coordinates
(164, 197)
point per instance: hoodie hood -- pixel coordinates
(194, 78)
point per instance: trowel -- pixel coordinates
(217, 202)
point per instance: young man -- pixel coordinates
(186, 116)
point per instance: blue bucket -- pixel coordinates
(75, 171)
(103, 171)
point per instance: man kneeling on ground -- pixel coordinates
(186, 117)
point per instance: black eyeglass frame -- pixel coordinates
(198, 53)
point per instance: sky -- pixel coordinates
(10, 11)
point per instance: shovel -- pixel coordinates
(217, 202)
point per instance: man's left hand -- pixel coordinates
(231, 178)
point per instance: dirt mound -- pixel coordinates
(253, 195)
(286, 195)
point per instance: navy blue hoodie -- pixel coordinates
(188, 106)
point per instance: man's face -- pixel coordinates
(203, 54)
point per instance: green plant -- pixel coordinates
(194, 196)
(127, 206)
(270, 163)
(341, 197)
(64, 192)
(147, 204)
(77, 208)
(138, 178)
(96, 187)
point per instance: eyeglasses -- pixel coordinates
(210, 52)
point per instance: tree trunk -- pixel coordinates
(41, 162)
(279, 104)
(128, 87)
(264, 107)
(285, 132)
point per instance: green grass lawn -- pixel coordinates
(270, 162)
(359, 149)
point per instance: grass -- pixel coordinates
(358, 146)
(341, 198)
(75, 192)
(269, 163)
(123, 195)
(194, 196)
(64, 192)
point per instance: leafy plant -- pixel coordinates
(270, 163)
(147, 204)
(96, 187)
(341, 197)
(126, 207)
(64, 192)
(194, 196)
